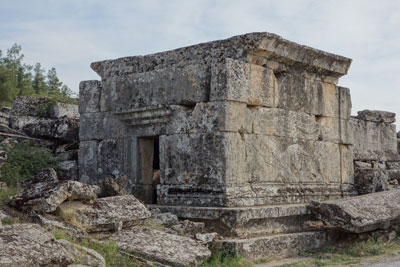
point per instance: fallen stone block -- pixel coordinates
(31, 245)
(52, 223)
(66, 130)
(361, 213)
(107, 214)
(44, 192)
(162, 247)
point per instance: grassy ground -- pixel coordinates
(350, 254)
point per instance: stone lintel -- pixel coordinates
(145, 116)
(256, 47)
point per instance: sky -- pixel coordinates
(70, 34)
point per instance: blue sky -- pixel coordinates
(70, 34)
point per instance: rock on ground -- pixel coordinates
(86, 256)
(66, 130)
(162, 247)
(107, 214)
(44, 193)
(52, 223)
(361, 213)
(30, 245)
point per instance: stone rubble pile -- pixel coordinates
(54, 124)
(76, 209)
(362, 213)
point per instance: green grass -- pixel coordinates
(4, 193)
(350, 253)
(219, 258)
(25, 160)
(109, 250)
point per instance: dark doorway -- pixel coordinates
(149, 152)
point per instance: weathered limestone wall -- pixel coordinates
(376, 158)
(251, 120)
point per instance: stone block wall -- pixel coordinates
(376, 158)
(251, 120)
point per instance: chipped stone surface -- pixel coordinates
(108, 214)
(31, 245)
(66, 130)
(361, 213)
(44, 193)
(162, 247)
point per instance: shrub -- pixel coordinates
(25, 160)
(7, 192)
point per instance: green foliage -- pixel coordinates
(219, 258)
(58, 234)
(110, 252)
(25, 160)
(7, 192)
(9, 221)
(18, 78)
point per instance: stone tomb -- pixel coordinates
(241, 133)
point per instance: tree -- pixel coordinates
(53, 83)
(39, 84)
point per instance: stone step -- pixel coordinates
(280, 245)
(249, 221)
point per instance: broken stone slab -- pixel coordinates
(107, 214)
(369, 181)
(66, 130)
(52, 223)
(162, 247)
(84, 255)
(44, 192)
(361, 213)
(377, 116)
(31, 245)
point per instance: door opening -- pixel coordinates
(149, 168)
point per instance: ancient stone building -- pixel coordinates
(243, 124)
